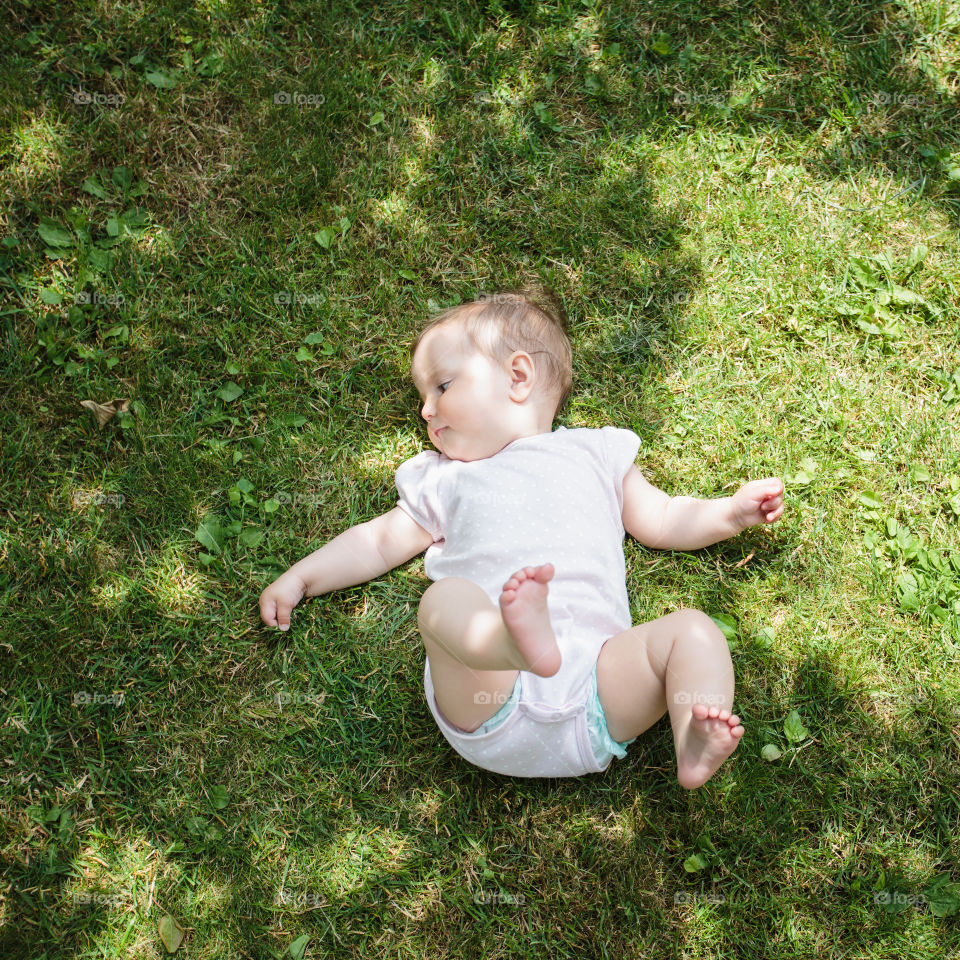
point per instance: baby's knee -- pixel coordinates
(698, 627)
(442, 593)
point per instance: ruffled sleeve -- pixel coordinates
(416, 481)
(620, 447)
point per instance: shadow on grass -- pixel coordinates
(353, 795)
(313, 783)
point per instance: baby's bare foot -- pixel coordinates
(523, 605)
(712, 736)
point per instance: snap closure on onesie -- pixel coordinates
(534, 739)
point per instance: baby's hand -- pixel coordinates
(759, 501)
(280, 598)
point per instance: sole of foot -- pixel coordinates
(712, 736)
(523, 606)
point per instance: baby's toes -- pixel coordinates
(544, 573)
(700, 711)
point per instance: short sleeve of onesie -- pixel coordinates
(620, 448)
(416, 481)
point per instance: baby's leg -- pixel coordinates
(679, 663)
(476, 650)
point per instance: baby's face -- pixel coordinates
(470, 408)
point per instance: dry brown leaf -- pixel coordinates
(745, 560)
(104, 411)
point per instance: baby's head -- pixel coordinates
(492, 371)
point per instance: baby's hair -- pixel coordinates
(529, 318)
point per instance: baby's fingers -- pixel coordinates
(283, 614)
(268, 610)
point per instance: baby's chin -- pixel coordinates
(455, 452)
(444, 450)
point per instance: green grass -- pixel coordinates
(702, 187)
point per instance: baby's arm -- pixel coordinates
(685, 523)
(349, 559)
(364, 552)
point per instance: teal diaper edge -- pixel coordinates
(600, 738)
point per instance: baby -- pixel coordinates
(532, 667)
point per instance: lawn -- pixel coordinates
(226, 222)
